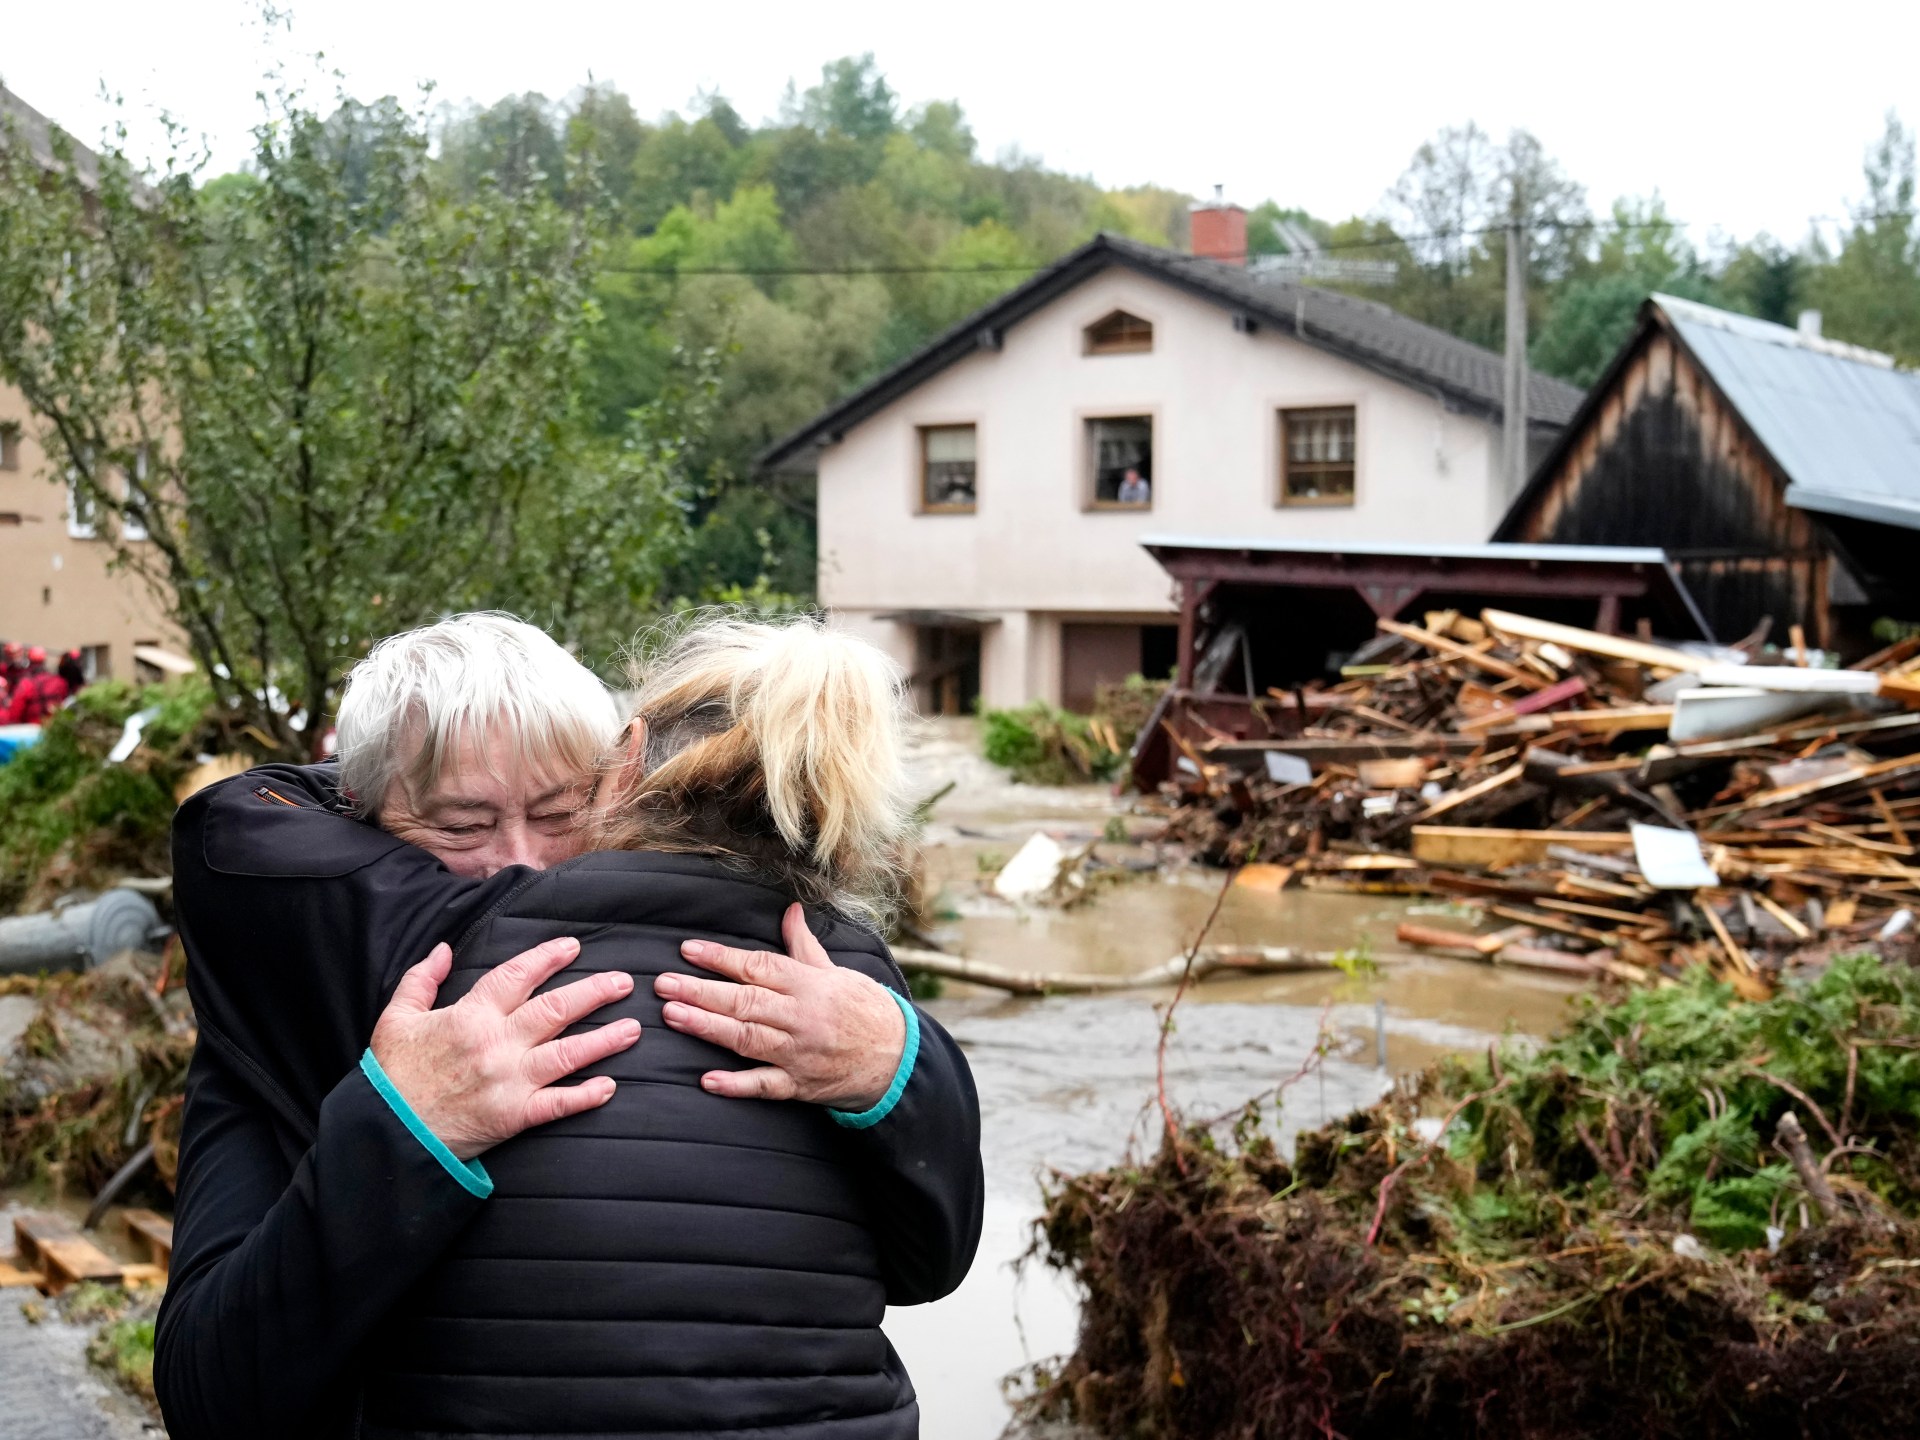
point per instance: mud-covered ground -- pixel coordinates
(1067, 1082)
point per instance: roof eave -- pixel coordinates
(1855, 507)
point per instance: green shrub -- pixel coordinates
(1042, 745)
(68, 818)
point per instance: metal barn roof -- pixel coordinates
(1842, 422)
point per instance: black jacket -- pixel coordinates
(673, 1263)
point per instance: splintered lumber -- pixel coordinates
(1900, 768)
(1493, 665)
(1538, 700)
(61, 1253)
(1592, 642)
(1402, 774)
(1495, 849)
(1473, 792)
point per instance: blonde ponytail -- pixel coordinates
(779, 744)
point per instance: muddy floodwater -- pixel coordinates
(1067, 1083)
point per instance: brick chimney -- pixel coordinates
(1220, 230)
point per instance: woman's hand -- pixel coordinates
(483, 1069)
(828, 1035)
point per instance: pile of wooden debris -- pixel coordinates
(1656, 806)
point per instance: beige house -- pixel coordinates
(55, 586)
(56, 589)
(982, 506)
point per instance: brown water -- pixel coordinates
(1067, 1083)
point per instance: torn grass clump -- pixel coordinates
(1042, 745)
(1606, 1236)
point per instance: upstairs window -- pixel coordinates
(1121, 451)
(9, 447)
(1317, 456)
(1118, 334)
(133, 519)
(83, 520)
(947, 469)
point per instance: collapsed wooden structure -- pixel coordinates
(1258, 617)
(1650, 807)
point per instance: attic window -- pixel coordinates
(1119, 334)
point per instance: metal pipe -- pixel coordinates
(78, 937)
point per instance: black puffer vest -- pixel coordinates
(673, 1263)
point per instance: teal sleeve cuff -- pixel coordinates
(472, 1177)
(909, 1053)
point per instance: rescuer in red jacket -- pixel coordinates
(37, 694)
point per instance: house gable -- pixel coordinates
(1659, 456)
(1461, 375)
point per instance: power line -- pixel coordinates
(670, 272)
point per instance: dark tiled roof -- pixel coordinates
(1364, 331)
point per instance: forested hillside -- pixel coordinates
(761, 270)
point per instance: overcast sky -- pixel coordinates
(1744, 116)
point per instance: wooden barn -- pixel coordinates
(1779, 470)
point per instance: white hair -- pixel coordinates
(409, 706)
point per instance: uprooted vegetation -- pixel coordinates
(1045, 745)
(69, 820)
(1600, 1237)
(98, 1073)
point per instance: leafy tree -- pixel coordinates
(515, 143)
(852, 99)
(1594, 312)
(1870, 294)
(1764, 278)
(337, 398)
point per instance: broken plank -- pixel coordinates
(1614, 647)
(1595, 912)
(1497, 849)
(1467, 653)
(1539, 700)
(1454, 801)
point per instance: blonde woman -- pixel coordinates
(706, 1241)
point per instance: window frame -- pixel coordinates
(1089, 347)
(921, 430)
(1284, 413)
(1090, 500)
(131, 528)
(11, 433)
(78, 528)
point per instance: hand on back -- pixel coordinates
(828, 1034)
(485, 1068)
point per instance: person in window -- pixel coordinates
(74, 671)
(1134, 490)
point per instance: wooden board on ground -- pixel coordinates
(1498, 849)
(61, 1253)
(11, 1275)
(154, 1233)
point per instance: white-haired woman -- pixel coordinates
(673, 1259)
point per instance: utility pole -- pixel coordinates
(1514, 431)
